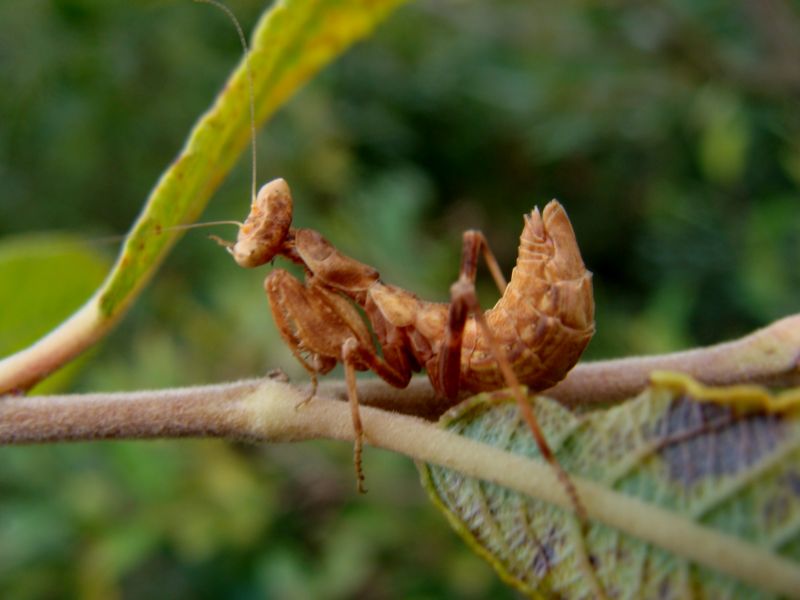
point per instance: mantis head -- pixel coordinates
(263, 233)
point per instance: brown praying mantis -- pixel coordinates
(533, 336)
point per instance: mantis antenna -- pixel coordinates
(249, 71)
(246, 51)
(110, 239)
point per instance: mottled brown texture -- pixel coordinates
(534, 335)
(542, 322)
(545, 317)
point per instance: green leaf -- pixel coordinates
(46, 277)
(725, 135)
(731, 471)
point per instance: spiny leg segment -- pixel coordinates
(322, 324)
(349, 348)
(463, 302)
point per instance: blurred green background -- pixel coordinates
(670, 129)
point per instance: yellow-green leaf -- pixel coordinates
(731, 471)
(725, 135)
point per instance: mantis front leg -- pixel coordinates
(321, 328)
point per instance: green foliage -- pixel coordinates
(451, 116)
(204, 519)
(32, 303)
(727, 472)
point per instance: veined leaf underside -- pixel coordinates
(734, 473)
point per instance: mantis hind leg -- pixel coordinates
(463, 302)
(348, 349)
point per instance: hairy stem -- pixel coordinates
(268, 411)
(24, 368)
(770, 356)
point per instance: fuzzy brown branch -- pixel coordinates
(203, 411)
(268, 412)
(770, 356)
